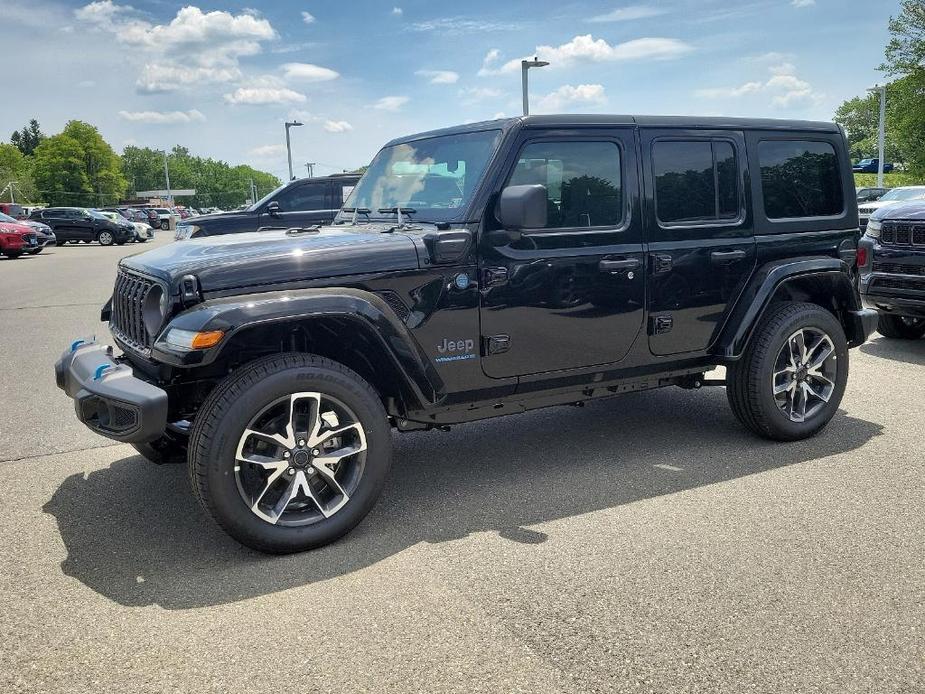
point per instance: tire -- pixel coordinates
(751, 381)
(900, 327)
(36, 251)
(229, 490)
(105, 238)
(163, 451)
(165, 225)
(13, 255)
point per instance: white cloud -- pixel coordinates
(471, 95)
(455, 26)
(568, 95)
(489, 61)
(784, 88)
(166, 77)
(626, 14)
(587, 49)
(265, 95)
(391, 103)
(162, 117)
(267, 151)
(803, 3)
(337, 126)
(439, 76)
(192, 39)
(397, 11)
(499, 114)
(307, 72)
(308, 17)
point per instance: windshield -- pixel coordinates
(6, 218)
(435, 176)
(266, 198)
(905, 194)
(95, 214)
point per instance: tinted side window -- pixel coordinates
(583, 181)
(310, 196)
(695, 181)
(799, 178)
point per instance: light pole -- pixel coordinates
(167, 178)
(525, 65)
(290, 124)
(310, 166)
(881, 132)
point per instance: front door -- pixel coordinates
(701, 237)
(300, 206)
(571, 294)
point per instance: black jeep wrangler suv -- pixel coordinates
(891, 260)
(478, 271)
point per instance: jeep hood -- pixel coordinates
(914, 209)
(275, 257)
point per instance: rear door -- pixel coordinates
(58, 220)
(569, 295)
(700, 233)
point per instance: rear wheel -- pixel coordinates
(165, 225)
(290, 452)
(901, 327)
(36, 251)
(791, 379)
(105, 238)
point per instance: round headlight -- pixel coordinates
(154, 310)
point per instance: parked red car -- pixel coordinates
(16, 239)
(12, 209)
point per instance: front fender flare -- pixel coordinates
(371, 313)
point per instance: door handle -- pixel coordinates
(726, 257)
(618, 265)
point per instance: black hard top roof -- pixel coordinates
(573, 120)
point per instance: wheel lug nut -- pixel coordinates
(315, 451)
(292, 471)
(310, 471)
(286, 454)
(301, 442)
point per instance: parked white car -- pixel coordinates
(901, 194)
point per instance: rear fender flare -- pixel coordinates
(822, 280)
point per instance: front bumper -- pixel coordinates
(865, 323)
(108, 397)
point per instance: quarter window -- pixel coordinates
(799, 178)
(310, 196)
(695, 181)
(583, 182)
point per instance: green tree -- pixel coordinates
(17, 169)
(101, 164)
(60, 172)
(27, 139)
(860, 117)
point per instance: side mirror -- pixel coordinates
(523, 207)
(273, 208)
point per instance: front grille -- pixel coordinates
(902, 234)
(914, 285)
(127, 320)
(30, 239)
(899, 268)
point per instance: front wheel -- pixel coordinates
(290, 452)
(790, 380)
(12, 255)
(900, 327)
(36, 251)
(165, 225)
(105, 238)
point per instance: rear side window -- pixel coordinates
(695, 181)
(310, 196)
(583, 182)
(799, 178)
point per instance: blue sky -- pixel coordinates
(222, 78)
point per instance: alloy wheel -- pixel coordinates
(300, 459)
(804, 374)
(105, 238)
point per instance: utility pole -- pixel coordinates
(525, 65)
(167, 179)
(310, 166)
(881, 136)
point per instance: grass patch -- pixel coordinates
(890, 180)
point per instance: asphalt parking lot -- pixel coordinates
(645, 544)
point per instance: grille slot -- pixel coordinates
(902, 234)
(127, 320)
(899, 269)
(914, 285)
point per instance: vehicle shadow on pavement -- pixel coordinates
(908, 351)
(134, 533)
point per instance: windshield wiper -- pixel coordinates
(397, 211)
(358, 210)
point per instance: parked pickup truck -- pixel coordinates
(871, 166)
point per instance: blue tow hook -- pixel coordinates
(75, 344)
(98, 374)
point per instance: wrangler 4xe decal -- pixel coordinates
(456, 350)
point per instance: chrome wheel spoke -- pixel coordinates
(319, 439)
(803, 379)
(820, 353)
(784, 387)
(270, 482)
(822, 393)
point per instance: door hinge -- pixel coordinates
(661, 324)
(495, 344)
(493, 277)
(661, 263)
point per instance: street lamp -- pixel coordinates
(167, 178)
(524, 66)
(290, 124)
(881, 131)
